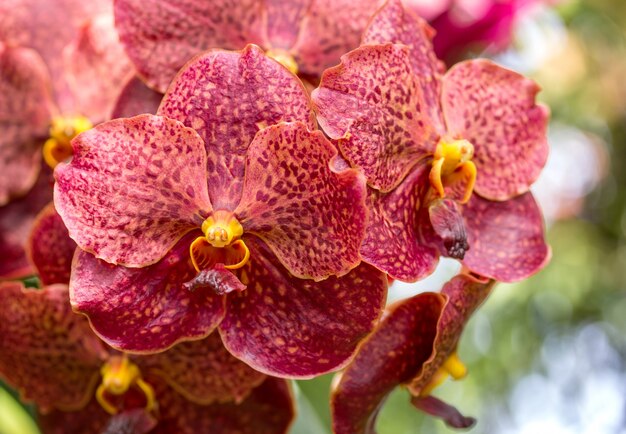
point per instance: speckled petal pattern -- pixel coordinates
(392, 355)
(133, 188)
(393, 236)
(373, 106)
(463, 296)
(203, 371)
(88, 420)
(227, 97)
(16, 220)
(312, 217)
(330, 29)
(494, 108)
(25, 112)
(144, 309)
(96, 68)
(283, 21)
(394, 24)
(297, 328)
(507, 239)
(47, 352)
(177, 30)
(50, 247)
(268, 410)
(136, 98)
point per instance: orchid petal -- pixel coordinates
(311, 216)
(177, 30)
(296, 328)
(227, 97)
(136, 98)
(507, 239)
(284, 19)
(133, 188)
(495, 110)
(144, 309)
(89, 420)
(373, 106)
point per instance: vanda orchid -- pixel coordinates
(226, 209)
(426, 142)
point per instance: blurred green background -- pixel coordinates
(547, 355)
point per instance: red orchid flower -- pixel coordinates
(426, 141)
(227, 192)
(53, 358)
(414, 346)
(305, 35)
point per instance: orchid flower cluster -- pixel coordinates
(235, 184)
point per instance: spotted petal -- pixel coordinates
(268, 410)
(297, 328)
(507, 239)
(144, 309)
(391, 356)
(16, 220)
(395, 24)
(494, 108)
(227, 97)
(311, 216)
(47, 352)
(133, 189)
(89, 420)
(177, 30)
(51, 248)
(203, 371)
(136, 98)
(374, 107)
(330, 29)
(25, 112)
(393, 241)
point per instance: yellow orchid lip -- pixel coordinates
(451, 164)
(452, 367)
(119, 374)
(221, 243)
(62, 130)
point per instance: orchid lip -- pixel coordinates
(119, 374)
(62, 130)
(453, 157)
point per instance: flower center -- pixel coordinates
(62, 130)
(118, 376)
(284, 58)
(221, 243)
(452, 167)
(453, 367)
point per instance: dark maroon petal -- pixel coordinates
(393, 241)
(136, 98)
(507, 239)
(437, 408)
(298, 328)
(48, 26)
(47, 352)
(217, 278)
(494, 108)
(96, 68)
(130, 422)
(50, 247)
(89, 420)
(283, 21)
(268, 410)
(25, 113)
(447, 221)
(133, 188)
(395, 24)
(144, 309)
(311, 216)
(16, 220)
(160, 36)
(330, 29)
(203, 371)
(392, 355)
(464, 294)
(373, 106)
(227, 97)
